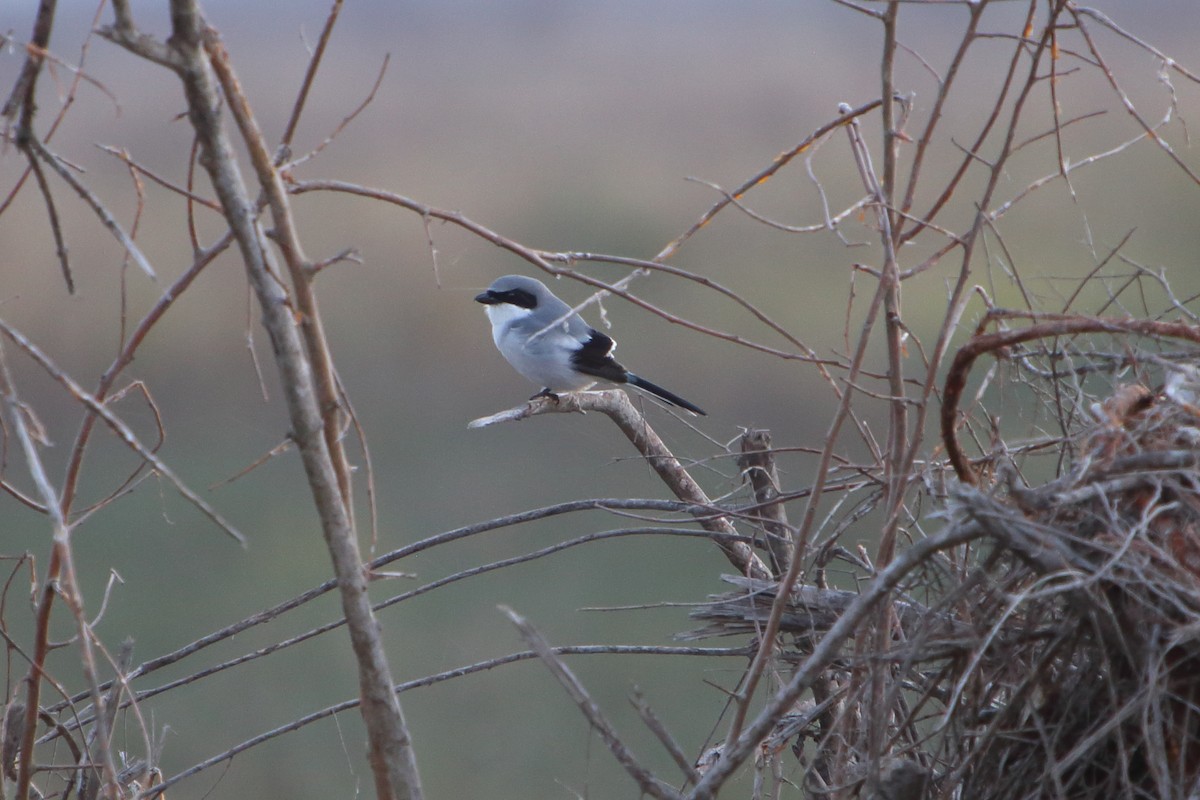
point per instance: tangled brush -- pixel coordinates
(1057, 652)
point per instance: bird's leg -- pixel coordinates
(545, 393)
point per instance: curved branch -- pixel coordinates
(1060, 325)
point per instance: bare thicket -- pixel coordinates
(1022, 623)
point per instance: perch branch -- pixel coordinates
(616, 405)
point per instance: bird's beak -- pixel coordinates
(486, 298)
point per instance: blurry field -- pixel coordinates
(570, 126)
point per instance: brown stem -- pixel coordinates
(305, 373)
(757, 462)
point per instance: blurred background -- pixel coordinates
(565, 126)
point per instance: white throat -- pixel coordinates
(504, 314)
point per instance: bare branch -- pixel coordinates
(314, 63)
(757, 463)
(60, 243)
(615, 404)
(781, 160)
(305, 384)
(70, 592)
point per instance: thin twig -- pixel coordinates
(960, 367)
(310, 74)
(645, 779)
(656, 726)
(131, 248)
(780, 161)
(118, 427)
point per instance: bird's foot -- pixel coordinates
(546, 393)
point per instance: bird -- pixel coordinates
(552, 346)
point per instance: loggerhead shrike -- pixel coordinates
(553, 347)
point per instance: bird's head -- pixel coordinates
(514, 290)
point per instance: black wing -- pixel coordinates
(595, 358)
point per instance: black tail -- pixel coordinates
(658, 391)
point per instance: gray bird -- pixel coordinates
(569, 356)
